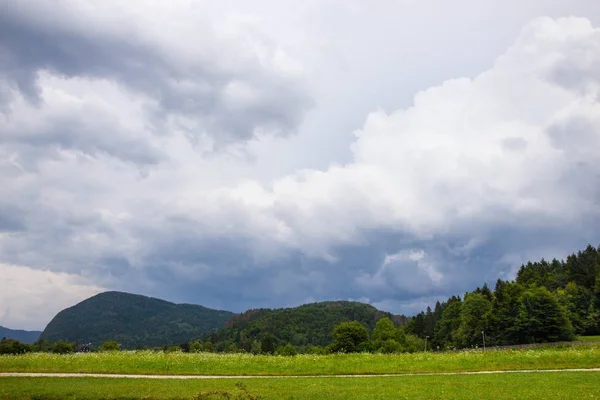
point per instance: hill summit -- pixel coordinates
(133, 321)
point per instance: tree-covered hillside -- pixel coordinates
(132, 321)
(548, 302)
(307, 325)
(20, 335)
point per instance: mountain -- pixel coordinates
(306, 325)
(133, 321)
(28, 337)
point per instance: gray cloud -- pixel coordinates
(226, 93)
(11, 218)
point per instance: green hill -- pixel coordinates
(133, 321)
(307, 325)
(28, 337)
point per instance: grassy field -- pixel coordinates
(589, 338)
(147, 362)
(546, 386)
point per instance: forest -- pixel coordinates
(547, 302)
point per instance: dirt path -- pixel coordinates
(76, 375)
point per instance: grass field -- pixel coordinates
(147, 362)
(546, 386)
(589, 338)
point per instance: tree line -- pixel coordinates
(547, 302)
(13, 346)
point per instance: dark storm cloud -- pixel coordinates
(198, 90)
(11, 219)
(73, 133)
(223, 273)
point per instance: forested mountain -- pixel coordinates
(307, 325)
(133, 321)
(22, 336)
(548, 301)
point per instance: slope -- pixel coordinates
(28, 337)
(133, 321)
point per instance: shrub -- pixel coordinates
(12, 346)
(316, 350)
(256, 347)
(62, 348)
(195, 347)
(173, 349)
(390, 346)
(287, 350)
(110, 346)
(413, 344)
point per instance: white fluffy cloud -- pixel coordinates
(498, 148)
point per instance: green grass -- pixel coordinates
(546, 386)
(589, 338)
(147, 362)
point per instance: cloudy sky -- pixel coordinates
(242, 154)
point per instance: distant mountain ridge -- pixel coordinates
(23, 336)
(137, 321)
(133, 321)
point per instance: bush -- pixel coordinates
(316, 350)
(110, 346)
(62, 348)
(413, 344)
(195, 347)
(287, 350)
(390, 346)
(232, 348)
(12, 346)
(256, 347)
(173, 349)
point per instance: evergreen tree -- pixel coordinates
(268, 344)
(447, 326)
(474, 316)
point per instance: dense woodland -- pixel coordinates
(548, 302)
(304, 327)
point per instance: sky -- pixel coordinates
(241, 154)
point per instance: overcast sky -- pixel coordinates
(244, 154)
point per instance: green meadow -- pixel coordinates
(148, 362)
(539, 385)
(589, 338)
